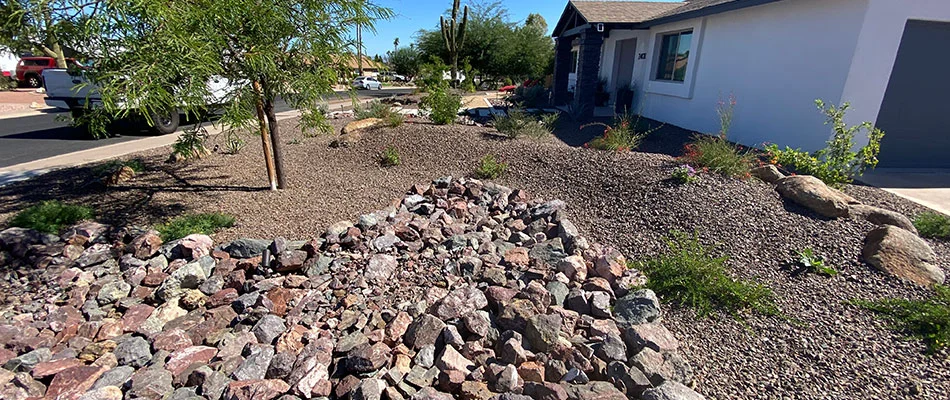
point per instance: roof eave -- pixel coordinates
(703, 12)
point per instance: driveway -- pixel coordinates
(31, 138)
(927, 187)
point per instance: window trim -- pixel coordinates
(659, 55)
(682, 89)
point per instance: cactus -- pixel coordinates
(453, 33)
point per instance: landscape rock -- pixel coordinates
(812, 193)
(902, 254)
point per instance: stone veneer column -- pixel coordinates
(562, 69)
(588, 71)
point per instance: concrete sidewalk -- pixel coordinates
(927, 187)
(28, 170)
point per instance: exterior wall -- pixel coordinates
(776, 58)
(877, 48)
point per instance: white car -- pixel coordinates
(367, 82)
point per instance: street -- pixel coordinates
(25, 139)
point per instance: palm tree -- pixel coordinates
(395, 45)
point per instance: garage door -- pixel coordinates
(915, 114)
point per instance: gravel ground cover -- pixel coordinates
(820, 348)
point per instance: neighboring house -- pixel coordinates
(8, 62)
(370, 67)
(888, 58)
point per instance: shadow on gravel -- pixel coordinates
(668, 139)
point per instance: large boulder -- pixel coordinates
(671, 390)
(813, 194)
(902, 254)
(880, 216)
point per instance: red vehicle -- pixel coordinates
(29, 71)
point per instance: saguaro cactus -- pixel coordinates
(453, 33)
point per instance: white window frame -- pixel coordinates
(682, 89)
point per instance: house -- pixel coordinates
(888, 58)
(370, 67)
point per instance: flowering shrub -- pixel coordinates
(836, 164)
(726, 109)
(621, 136)
(684, 174)
(716, 154)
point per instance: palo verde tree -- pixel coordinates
(453, 33)
(244, 54)
(45, 26)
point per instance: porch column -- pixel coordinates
(562, 69)
(588, 71)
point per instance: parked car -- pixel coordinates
(29, 71)
(367, 82)
(392, 76)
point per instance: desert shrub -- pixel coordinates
(431, 74)
(233, 142)
(689, 275)
(808, 261)
(837, 163)
(136, 164)
(51, 216)
(530, 96)
(378, 109)
(517, 123)
(490, 168)
(185, 225)
(927, 320)
(7, 83)
(933, 225)
(625, 134)
(389, 157)
(716, 154)
(191, 144)
(442, 104)
(684, 174)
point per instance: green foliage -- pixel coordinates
(44, 27)
(430, 74)
(517, 123)
(716, 154)
(406, 62)
(51, 216)
(497, 47)
(837, 163)
(378, 109)
(7, 83)
(684, 174)
(933, 225)
(191, 144)
(233, 142)
(927, 320)
(625, 134)
(689, 275)
(442, 104)
(490, 168)
(530, 96)
(389, 157)
(185, 225)
(811, 262)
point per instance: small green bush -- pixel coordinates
(811, 262)
(442, 104)
(185, 225)
(51, 216)
(836, 164)
(716, 154)
(625, 134)
(684, 174)
(927, 320)
(389, 157)
(191, 144)
(490, 168)
(517, 123)
(378, 109)
(690, 276)
(933, 225)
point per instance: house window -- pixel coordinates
(574, 62)
(674, 56)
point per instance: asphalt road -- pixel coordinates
(26, 139)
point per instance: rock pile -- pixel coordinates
(461, 289)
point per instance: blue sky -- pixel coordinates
(413, 15)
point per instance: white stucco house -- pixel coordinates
(889, 58)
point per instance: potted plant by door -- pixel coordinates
(624, 101)
(602, 96)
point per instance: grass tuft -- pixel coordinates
(517, 123)
(185, 225)
(933, 225)
(716, 154)
(378, 109)
(927, 320)
(690, 276)
(490, 168)
(51, 216)
(389, 157)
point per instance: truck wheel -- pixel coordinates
(164, 123)
(34, 81)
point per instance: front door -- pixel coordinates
(625, 54)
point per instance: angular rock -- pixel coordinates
(639, 307)
(269, 328)
(671, 390)
(381, 267)
(459, 302)
(424, 331)
(134, 352)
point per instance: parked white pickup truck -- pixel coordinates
(64, 91)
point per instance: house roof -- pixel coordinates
(643, 14)
(622, 11)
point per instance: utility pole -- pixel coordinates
(359, 49)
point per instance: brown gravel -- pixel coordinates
(822, 349)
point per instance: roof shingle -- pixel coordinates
(623, 11)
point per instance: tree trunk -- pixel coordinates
(265, 136)
(275, 142)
